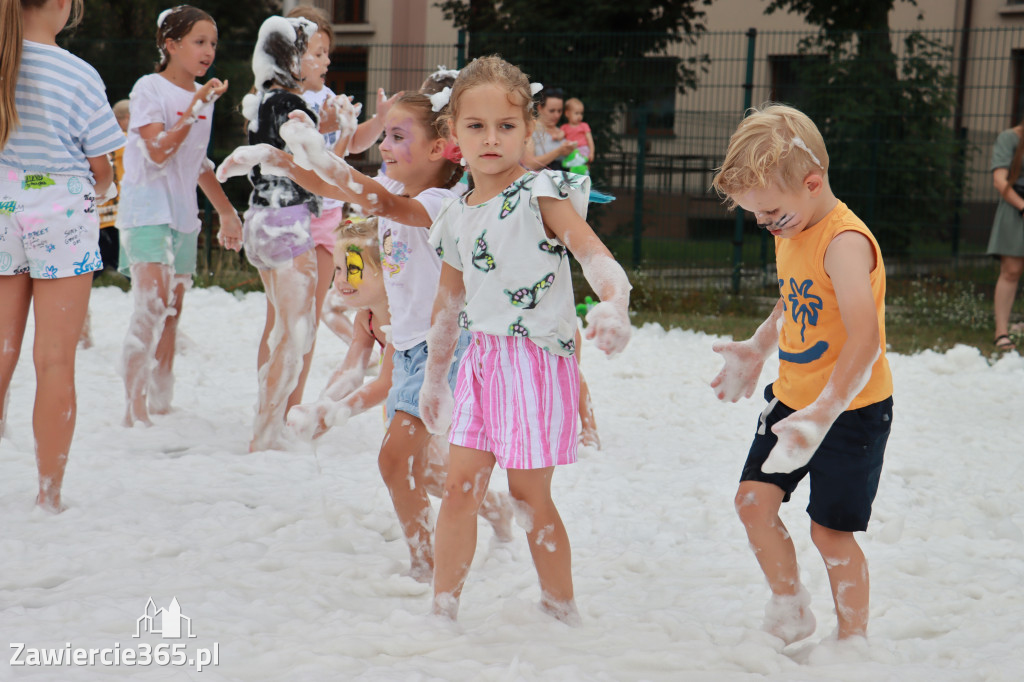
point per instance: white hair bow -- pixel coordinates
(439, 100)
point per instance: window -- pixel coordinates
(349, 12)
(656, 88)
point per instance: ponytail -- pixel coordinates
(11, 31)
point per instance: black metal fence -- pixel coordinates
(909, 119)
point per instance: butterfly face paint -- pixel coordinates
(354, 263)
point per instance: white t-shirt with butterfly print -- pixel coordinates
(412, 270)
(517, 278)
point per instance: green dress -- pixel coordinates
(1007, 238)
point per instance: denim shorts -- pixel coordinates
(407, 376)
(844, 470)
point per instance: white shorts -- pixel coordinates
(49, 225)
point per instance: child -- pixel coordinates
(359, 281)
(413, 150)
(506, 279)
(171, 117)
(50, 180)
(314, 69)
(830, 410)
(277, 227)
(577, 131)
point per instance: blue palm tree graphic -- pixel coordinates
(806, 305)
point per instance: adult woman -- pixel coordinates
(1007, 239)
(547, 146)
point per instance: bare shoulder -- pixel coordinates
(849, 252)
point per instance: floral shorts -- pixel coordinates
(49, 225)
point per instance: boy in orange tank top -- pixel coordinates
(829, 413)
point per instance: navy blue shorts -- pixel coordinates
(844, 470)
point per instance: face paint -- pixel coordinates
(354, 263)
(778, 224)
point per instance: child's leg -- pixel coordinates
(15, 300)
(402, 464)
(151, 288)
(161, 383)
(848, 575)
(469, 472)
(60, 306)
(290, 291)
(324, 275)
(496, 508)
(788, 615)
(549, 543)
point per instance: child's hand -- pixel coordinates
(230, 233)
(799, 434)
(609, 325)
(303, 139)
(436, 404)
(738, 377)
(345, 114)
(307, 421)
(384, 104)
(208, 93)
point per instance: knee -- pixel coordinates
(463, 495)
(830, 543)
(753, 511)
(1011, 268)
(395, 467)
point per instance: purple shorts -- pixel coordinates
(272, 237)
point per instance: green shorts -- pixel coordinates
(158, 244)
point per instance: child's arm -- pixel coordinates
(608, 321)
(533, 162)
(744, 359)
(346, 394)
(436, 396)
(230, 233)
(590, 143)
(161, 144)
(368, 131)
(103, 177)
(849, 260)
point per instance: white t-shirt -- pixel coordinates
(315, 99)
(154, 194)
(412, 270)
(517, 278)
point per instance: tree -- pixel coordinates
(884, 109)
(601, 51)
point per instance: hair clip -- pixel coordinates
(439, 100)
(535, 88)
(797, 142)
(452, 152)
(163, 15)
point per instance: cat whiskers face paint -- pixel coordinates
(780, 223)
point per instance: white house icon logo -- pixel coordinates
(170, 621)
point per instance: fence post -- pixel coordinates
(638, 189)
(460, 47)
(748, 98)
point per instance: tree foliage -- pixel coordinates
(884, 109)
(608, 53)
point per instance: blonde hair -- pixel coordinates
(12, 31)
(121, 108)
(362, 234)
(492, 70)
(574, 102)
(774, 143)
(317, 16)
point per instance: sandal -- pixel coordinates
(1003, 342)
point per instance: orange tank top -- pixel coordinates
(812, 330)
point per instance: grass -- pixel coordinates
(933, 312)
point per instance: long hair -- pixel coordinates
(174, 24)
(11, 34)
(1018, 156)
